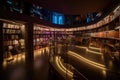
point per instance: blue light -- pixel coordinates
(61, 20)
(57, 18)
(9, 2)
(16, 9)
(54, 19)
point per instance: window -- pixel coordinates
(60, 20)
(54, 19)
(57, 18)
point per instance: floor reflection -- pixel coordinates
(15, 69)
(92, 65)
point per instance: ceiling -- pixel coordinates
(75, 7)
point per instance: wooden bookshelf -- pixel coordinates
(13, 36)
(43, 35)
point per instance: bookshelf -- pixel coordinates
(43, 35)
(13, 40)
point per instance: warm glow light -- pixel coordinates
(62, 68)
(98, 65)
(21, 57)
(104, 72)
(94, 48)
(116, 8)
(94, 52)
(61, 64)
(4, 64)
(81, 47)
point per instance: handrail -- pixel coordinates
(78, 75)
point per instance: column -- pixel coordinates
(1, 51)
(29, 56)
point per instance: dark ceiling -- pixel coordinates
(75, 7)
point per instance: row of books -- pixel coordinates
(11, 26)
(112, 16)
(11, 31)
(51, 32)
(14, 42)
(107, 34)
(13, 37)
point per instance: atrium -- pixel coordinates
(60, 40)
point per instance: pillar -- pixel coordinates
(1, 51)
(29, 56)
